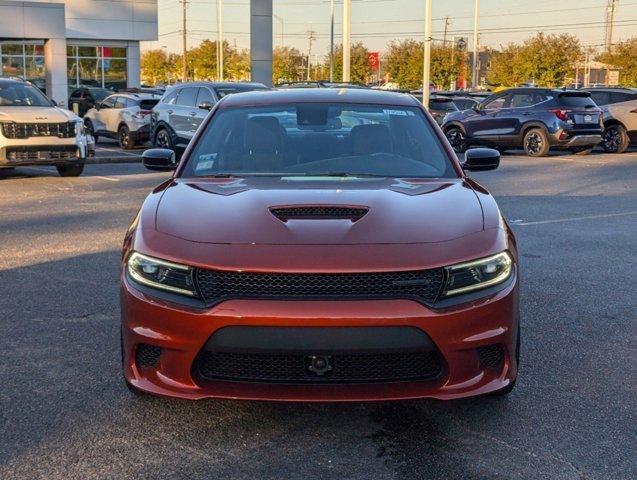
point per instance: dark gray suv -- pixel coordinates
(175, 119)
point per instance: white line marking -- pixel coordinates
(107, 178)
(572, 219)
(120, 152)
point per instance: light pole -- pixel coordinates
(475, 72)
(347, 14)
(281, 21)
(219, 42)
(426, 56)
(331, 40)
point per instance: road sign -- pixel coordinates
(613, 78)
(373, 59)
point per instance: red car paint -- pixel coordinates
(220, 223)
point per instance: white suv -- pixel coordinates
(33, 131)
(123, 116)
(619, 106)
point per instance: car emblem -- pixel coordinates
(588, 118)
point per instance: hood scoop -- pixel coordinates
(319, 212)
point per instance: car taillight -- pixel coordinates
(142, 114)
(561, 114)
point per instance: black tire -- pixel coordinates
(163, 139)
(509, 388)
(615, 139)
(70, 170)
(124, 138)
(582, 150)
(457, 139)
(536, 143)
(88, 125)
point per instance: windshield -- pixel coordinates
(17, 94)
(576, 100)
(100, 94)
(320, 139)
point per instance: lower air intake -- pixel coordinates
(491, 356)
(147, 356)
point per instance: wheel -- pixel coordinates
(509, 388)
(536, 143)
(615, 139)
(582, 150)
(457, 139)
(70, 170)
(88, 125)
(163, 139)
(124, 138)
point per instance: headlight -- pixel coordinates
(478, 274)
(161, 274)
(79, 127)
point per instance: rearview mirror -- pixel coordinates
(205, 106)
(159, 159)
(480, 159)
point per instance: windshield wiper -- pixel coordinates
(343, 174)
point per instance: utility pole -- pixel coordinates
(219, 42)
(427, 55)
(281, 22)
(331, 40)
(347, 19)
(475, 71)
(310, 38)
(610, 20)
(184, 47)
(444, 36)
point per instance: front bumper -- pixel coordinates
(43, 151)
(457, 332)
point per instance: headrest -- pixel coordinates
(263, 135)
(371, 138)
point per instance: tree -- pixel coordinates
(624, 57)
(156, 67)
(288, 65)
(359, 65)
(546, 60)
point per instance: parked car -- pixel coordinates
(439, 106)
(175, 119)
(298, 256)
(125, 117)
(535, 119)
(33, 131)
(619, 107)
(82, 99)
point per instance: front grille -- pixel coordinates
(41, 153)
(295, 368)
(491, 356)
(319, 213)
(28, 130)
(147, 356)
(421, 285)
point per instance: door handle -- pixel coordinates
(192, 114)
(170, 112)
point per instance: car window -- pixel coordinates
(108, 102)
(575, 100)
(227, 90)
(526, 99)
(464, 103)
(98, 94)
(320, 139)
(495, 104)
(601, 98)
(618, 97)
(18, 94)
(120, 102)
(446, 105)
(76, 93)
(187, 97)
(205, 95)
(170, 97)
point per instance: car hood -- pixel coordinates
(36, 115)
(238, 211)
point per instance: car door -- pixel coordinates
(205, 101)
(517, 110)
(183, 113)
(105, 114)
(482, 126)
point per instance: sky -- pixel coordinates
(378, 22)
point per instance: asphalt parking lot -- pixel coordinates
(65, 413)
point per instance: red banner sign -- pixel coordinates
(373, 58)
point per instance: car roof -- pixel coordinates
(218, 84)
(610, 89)
(317, 95)
(138, 96)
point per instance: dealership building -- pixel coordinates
(60, 45)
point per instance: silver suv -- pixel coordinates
(33, 131)
(619, 107)
(123, 116)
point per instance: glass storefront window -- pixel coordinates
(13, 66)
(96, 66)
(24, 60)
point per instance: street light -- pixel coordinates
(219, 43)
(475, 72)
(426, 56)
(347, 18)
(280, 20)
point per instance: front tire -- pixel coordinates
(124, 138)
(70, 170)
(163, 139)
(457, 139)
(536, 143)
(615, 139)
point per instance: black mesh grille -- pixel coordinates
(491, 356)
(423, 285)
(147, 356)
(28, 130)
(319, 213)
(293, 368)
(42, 153)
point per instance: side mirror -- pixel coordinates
(480, 159)
(159, 159)
(477, 107)
(53, 102)
(205, 106)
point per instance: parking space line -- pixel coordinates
(571, 219)
(106, 178)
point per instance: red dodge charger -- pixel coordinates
(320, 245)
